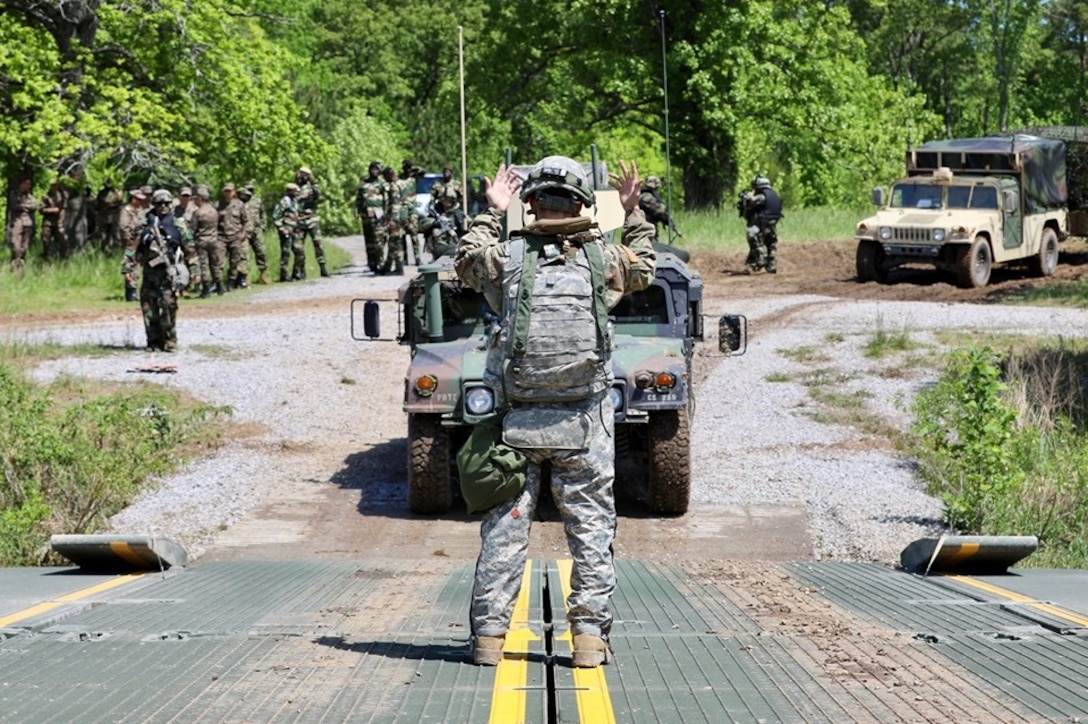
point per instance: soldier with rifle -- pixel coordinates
(761, 208)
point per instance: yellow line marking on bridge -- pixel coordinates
(591, 686)
(47, 606)
(508, 700)
(1048, 608)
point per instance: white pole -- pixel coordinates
(464, 152)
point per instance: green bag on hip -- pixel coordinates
(491, 471)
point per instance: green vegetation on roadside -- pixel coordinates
(725, 231)
(73, 453)
(1001, 438)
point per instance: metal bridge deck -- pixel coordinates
(334, 641)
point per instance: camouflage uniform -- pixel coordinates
(444, 225)
(255, 223)
(52, 211)
(761, 208)
(447, 182)
(285, 217)
(75, 215)
(309, 223)
(408, 215)
(583, 468)
(21, 207)
(130, 221)
(656, 211)
(233, 221)
(389, 232)
(370, 207)
(206, 236)
(108, 216)
(163, 241)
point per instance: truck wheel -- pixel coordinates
(973, 264)
(669, 489)
(1047, 261)
(429, 489)
(867, 261)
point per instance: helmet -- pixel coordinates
(761, 182)
(559, 172)
(374, 165)
(653, 182)
(292, 186)
(305, 171)
(162, 196)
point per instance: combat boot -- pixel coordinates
(220, 288)
(240, 282)
(324, 271)
(284, 277)
(590, 651)
(487, 650)
(230, 284)
(206, 290)
(771, 267)
(398, 269)
(263, 278)
(130, 294)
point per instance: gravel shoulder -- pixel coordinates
(318, 466)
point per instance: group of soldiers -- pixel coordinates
(394, 222)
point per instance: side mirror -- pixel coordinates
(1011, 201)
(371, 316)
(733, 334)
(878, 196)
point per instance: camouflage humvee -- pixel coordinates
(446, 323)
(966, 204)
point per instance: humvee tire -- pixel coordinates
(429, 490)
(974, 264)
(1046, 261)
(867, 262)
(669, 484)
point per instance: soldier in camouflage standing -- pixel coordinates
(255, 224)
(233, 221)
(108, 206)
(309, 223)
(21, 208)
(185, 207)
(130, 222)
(389, 231)
(447, 182)
(285, 219)
(656, 211)
(761, 208)
(76, 209)
(206, 236)
(162, 244)
(444, 225)
(370, 208)
(52, 210)
(549, 368)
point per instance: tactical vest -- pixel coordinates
(554, 340)
(165, 243)
(772, 205)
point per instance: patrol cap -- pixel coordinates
(137, 194)
(146, 191)
(291, 186)
(203, 192)
(228, 186)
(185, 191)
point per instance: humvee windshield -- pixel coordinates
(928, 196)
(648, 306)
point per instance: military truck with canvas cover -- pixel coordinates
(966, 204)
(447, 324)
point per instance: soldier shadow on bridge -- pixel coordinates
(454, 652)
(380, 473)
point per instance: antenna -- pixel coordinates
(665, 84)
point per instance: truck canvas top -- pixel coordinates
(1041, 160)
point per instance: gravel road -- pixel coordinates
(314, 406)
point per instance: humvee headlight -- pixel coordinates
(664, 381)
(885, 232)
(938, 235)
(426, 385)
(615, 396)
(479, 400)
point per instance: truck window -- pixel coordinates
(648, 306)
(984, 197)
(959, 197)
(916, 196)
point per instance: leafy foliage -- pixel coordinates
(70, 459)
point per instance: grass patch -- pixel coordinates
(219, 351)
(883, 342)
(724, 231)
(1068, 294)
(73, 453)
(805, 354)
(778, 377)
